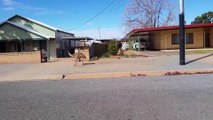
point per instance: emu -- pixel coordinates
(80, 57)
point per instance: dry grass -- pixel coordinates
(203, 51)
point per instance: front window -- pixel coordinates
(189, 38)
(175, 38)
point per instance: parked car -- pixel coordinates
(142, 45)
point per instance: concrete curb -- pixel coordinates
(138, 74)
(110, 75)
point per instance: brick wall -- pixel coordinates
(166, 39)
(20, 57)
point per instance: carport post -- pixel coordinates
(48, 48)
(182, 33)
(139, 43)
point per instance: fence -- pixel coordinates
(98, 50)
(20, 57)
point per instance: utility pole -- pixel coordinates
(182, 33)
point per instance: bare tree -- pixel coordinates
(149, 13)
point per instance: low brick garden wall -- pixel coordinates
(20, 57)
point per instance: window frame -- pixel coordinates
(189, 38)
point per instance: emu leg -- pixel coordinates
(76, 62)
(82, 62)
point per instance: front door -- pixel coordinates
(43, 44)
(206, 39)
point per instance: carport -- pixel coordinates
(77, 43)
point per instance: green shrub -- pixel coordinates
(106, 55)
(112, 48)
(126, 56)
(130, 47)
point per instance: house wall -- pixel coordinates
(62, 44)
(166, 39)
(211, 37)
(52, 49)
(10, 46)
(155, 40)
(28, 45)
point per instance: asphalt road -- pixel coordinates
(142, 98)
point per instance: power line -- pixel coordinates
(91, 19)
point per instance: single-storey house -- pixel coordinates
(21, 34)
(167, 37)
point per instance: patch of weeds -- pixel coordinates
(129, 55)
(202, 51)
(126, 56)
(106, 55)
(186, 73)
(133, 55)
(138, 75)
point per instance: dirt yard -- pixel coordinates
(143, 61)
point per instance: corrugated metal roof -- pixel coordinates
(169, 28)
(2, 22)
(40, 23)
(27, 29)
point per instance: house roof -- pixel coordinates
(168, 28)
(25, 28)
(40, 23)
(107, 40)
(77, 38)
(66, 32)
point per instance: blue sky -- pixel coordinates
(67, 14)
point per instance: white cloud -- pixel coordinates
(45, 12)
(9, 3)
(8, 9)
(60, 12)
(26, 7)
(105, 33)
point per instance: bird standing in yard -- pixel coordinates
(63, 76)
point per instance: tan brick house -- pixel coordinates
(162, 38)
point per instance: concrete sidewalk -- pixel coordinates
(155, 64)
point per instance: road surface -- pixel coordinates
(141, 98)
